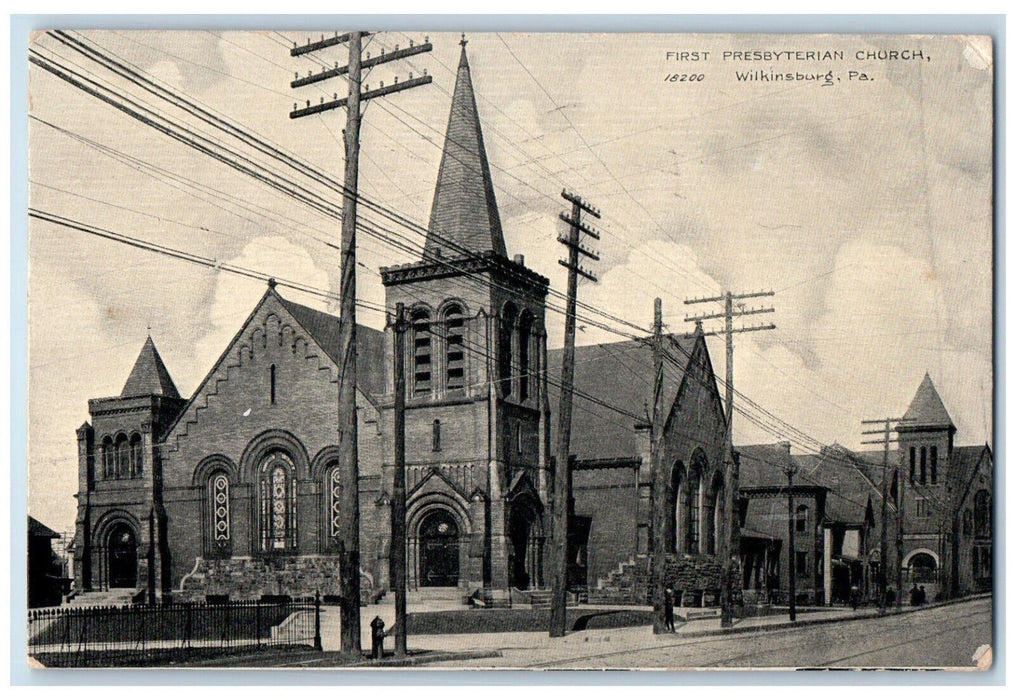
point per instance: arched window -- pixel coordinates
(801, 523)
(913, 463)
(277, 496)
(218, 509)
(334, 506)
(934, 464)
(712, 514)
(675, 506)
(108, 458)
(435, 435)
(455, 363)
(271, 384)
(137, 459)
(122, 457)
(421, 353)
(505, 341)
(982, 514)
(694, 494)
(924, 465)
(525, 335)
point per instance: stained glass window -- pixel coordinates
(278, 504)
(220, 509)
(334, 503)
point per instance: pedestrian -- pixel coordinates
(855, 595)
(668, 610)
(915, 596)
(923, 597)
(377, 638)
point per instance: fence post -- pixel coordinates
(317, 620)
(257, 621)
(187, 627)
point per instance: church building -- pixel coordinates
(235, 491)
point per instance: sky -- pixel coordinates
(865, 205)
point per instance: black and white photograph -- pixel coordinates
(385, 349)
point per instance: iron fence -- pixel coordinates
(125, 631)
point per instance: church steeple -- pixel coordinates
(150, 376)
(927, 409)
(464, 212)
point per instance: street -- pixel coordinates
(946, 636)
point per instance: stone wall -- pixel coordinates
(247, 578)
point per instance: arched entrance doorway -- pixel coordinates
(525, 537)
(122, 556)
(439, 550)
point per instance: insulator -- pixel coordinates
(336, 65)
(410, 43)
(366, 87)
(396, 47)
(410, 76)
(322, 99)
(308, 103)
(396, 80)
(310, 73)
(368, 54)
(294, 106)
(426, 39)
(294, 44)
(382, 51)
(425, 71)
(296, 76)
(335, 96)
(322, 37)
(382, 83)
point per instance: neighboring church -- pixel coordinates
(942, 492)
(235, 490)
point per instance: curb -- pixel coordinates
(843, 618)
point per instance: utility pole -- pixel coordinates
(883, 576)
(729, 541)
(561, 495)
(901, 479)
(398, 541)
(659, 501)
(349, 535)
(792, 553)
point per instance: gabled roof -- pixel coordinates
(150, 376)
(37, 529)
(370, 343)
(845, 474)
(927, 409)
(764, 466)
(464, 216)
(621, 376)
(323, 329)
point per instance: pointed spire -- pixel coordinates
(927, 409)
(464, 213)
(150, 375)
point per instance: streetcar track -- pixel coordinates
(678, 644)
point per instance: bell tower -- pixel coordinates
(120, 530)
(476, 417)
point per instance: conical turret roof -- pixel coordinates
(150, 375)
(464, 212)
(927, 409)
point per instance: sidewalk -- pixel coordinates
(593, 642)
